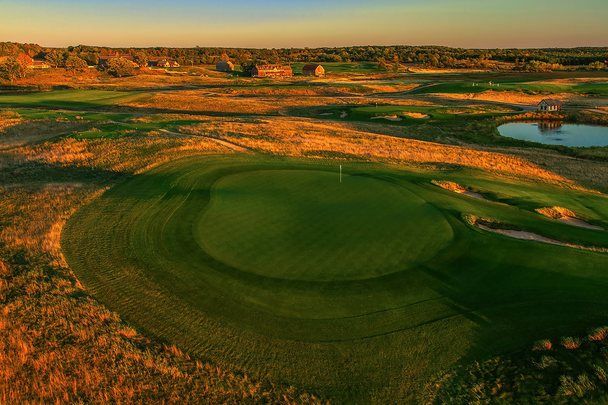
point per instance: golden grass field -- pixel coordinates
(58, 344)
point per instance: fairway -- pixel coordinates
(360, 289)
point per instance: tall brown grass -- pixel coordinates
(59, 345)
(302, 137)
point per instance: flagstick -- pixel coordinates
(340, 173)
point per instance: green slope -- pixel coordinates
(358, 291)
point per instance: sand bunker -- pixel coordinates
(495, 227)
(388, 118)
(457, 188)
(567, 216)
(417, 116)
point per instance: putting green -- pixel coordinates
(361, 290)
(305, 225)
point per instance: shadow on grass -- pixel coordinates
(55, 105)
(518, 292)
(43, 173)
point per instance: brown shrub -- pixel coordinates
(302, 137)
(570, 343)
(450, 186)
(556, 212)
(542, 345)
(598, 334)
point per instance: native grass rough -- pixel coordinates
(61, 345)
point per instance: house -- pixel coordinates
(27, 61)
(313, 70)
(164, 63)
(224, 66)
(39, 64)
(550, 105)
(271, 71)
(105, 59)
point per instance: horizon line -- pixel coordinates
(312, 47)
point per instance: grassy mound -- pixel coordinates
(360, 290)
(568, 370)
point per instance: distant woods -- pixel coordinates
(387, 57)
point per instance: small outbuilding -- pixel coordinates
(271, 71)
(224, 66)
(313, 70)
(550, 105)
(163, 63)
(39, 64)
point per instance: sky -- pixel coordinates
(306, 23)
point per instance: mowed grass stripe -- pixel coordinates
(377, 336)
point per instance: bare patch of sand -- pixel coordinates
(495, 227)
(523, 235)
(393, 117)
(566, 216)
(415, 115)
(457, 188)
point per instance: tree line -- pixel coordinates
(386, 56)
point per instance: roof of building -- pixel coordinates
(552, 101)
(312, 66)
(272, 67)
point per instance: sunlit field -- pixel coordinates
(366, 236)
(247, 260)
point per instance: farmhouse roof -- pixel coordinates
(311, 66)
(271, 67)
(551, 101)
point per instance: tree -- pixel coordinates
(396, 63)
(433, 60)
(120, 67)
(382, 64)
(92, 58)
(247, 67)
(74, 64)
(11, 69)
(24, 60)
(55, 58)
(140, 58)
(597, 66)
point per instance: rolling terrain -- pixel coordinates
(189, 237)
(278, 268)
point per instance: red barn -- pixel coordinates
(313, 70)
(224, 66)
(271, 71)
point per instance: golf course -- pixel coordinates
(304, 203)
(359, 286)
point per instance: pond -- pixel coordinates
(556, 133)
